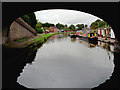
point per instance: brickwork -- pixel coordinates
(20, 29)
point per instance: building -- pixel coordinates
(106, 31)
(53, 29)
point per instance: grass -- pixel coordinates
(37, 42)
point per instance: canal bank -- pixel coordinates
(108, 40)
(29, 42)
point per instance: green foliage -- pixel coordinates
(98, 20)
(42, 39)
(86, 25)
(73, 32)
(72, 27)
(99, 24)
(60, 26)
(66, 29)
(45, 28)
(80, 26)
(47, 25)
(65, 26)
(102, 24)
(39, 30)
(30, 18)
(94, 25)
(38, 25)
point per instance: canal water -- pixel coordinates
(65, 62)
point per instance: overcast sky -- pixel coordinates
(64, 16)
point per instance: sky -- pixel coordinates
(65, 16)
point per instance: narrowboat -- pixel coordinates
(90, 36)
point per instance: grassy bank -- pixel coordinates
(37, 42)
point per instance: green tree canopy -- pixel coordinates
(30, 18)
(47, 25)
(80, 26)
(94, 25)
(66, 25)
(98, 20)
(86, 25)
(102, 24)
(99, 24)
(38, 25)
(60, 26)
(72, 27)
(45, 28)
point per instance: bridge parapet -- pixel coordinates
(19, 29)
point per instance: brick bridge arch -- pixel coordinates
(106, 11)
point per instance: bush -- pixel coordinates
(39, 30)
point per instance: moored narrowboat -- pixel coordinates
(90, 36)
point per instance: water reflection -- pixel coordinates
(103, 45)
(68, 63)
(106, 46)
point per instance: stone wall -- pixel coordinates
(4, 35)
(19, 29)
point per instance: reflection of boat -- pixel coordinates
(91, 45)
(72, 34)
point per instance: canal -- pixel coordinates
(65, 62)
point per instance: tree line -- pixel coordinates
(30, 18)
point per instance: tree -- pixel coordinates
(94, 25)
(86, 25)
(80, 26)
(60, 26)
(65, 26)
(38, 25)
(102, 24)
(45, 28)
(98, 20)
(47, 25)
(39, 30)
(30, 18)
(99, 24)
(72, 27)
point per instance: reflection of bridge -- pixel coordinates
(100, 44)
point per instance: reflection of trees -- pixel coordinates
(51, 39)
(106, 46)
(73, 39)
(91, 45)
(65, 34)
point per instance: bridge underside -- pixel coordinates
(106, 11)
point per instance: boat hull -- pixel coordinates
(90, 40)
